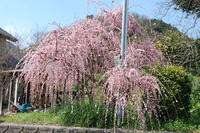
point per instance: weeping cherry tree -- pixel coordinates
(75, 55)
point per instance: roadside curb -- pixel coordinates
(26, 128)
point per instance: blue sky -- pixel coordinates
(22, 16)
(25, 14)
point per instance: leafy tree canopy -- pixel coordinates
(188, 6)
(153, 27)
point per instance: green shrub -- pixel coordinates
(181, 125)
(178, 49)
(176, 88)
(195, 99)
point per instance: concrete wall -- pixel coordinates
(16, 128)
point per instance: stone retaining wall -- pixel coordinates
(16, 128)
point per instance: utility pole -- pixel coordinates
(124, 30)
(1, 100)
(16, 90)
(123, 50)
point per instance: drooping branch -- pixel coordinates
(72, 56)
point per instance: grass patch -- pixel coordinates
(41, 118)
(84, 115)
(181, 125)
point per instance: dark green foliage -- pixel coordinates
(188, 6)
(180, 50)
(177, 47)
(196, 64)
(176, 88)
(160, 26)
(152, 27)
(181, 125)
(195, 99)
